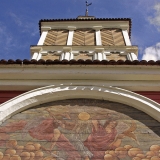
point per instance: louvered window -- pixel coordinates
(84, 37)
(112, 37)
(56, 37)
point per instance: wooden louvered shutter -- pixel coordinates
(118, 37)
(90, 37)
(56, 37)
(78, 38)
(84, 37)
(107, 37)
(61, 37)
(51, 37)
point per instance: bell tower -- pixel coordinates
(85, 37)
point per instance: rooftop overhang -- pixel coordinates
(121, 23)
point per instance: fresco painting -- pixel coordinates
(80, 130)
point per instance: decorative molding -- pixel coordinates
(61, 92)
(89, 48)
(123, 24)
(130, 77)
(71, 28)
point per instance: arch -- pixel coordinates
(61, 92)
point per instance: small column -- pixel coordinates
(95, 56)
(70, 35)
(42, 38)
(62, 56)
(71, 56)
(99, 54)
(98, 38)
(126, 37)
(134, 57)
(98, 35)
(39, 56)
(67, 53)
(131, 57)
(35, 55)
(67, 56)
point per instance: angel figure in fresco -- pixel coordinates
(106, 137)
(65, 134)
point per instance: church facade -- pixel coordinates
(83, 95)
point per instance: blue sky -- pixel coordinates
(19, 22)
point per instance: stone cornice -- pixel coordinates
(27, 77)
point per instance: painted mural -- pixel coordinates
(80, 130)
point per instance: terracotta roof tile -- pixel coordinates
(77, 62)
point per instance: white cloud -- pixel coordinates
(155, 20)
(152, 53)
(16, 19)
(26, 25)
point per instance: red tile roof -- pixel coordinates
(78, 62)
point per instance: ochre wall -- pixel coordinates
(80, 129)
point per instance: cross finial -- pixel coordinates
(87, 4)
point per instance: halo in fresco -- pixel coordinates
(80, 130)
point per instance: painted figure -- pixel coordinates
(102, 138)
(72, 133)
(66, 134)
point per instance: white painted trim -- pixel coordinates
(129, 57)
(95, 56)
(71, 56)
(35, 55)
(133, 56)
(104, 56)
(125, 49)
(70, 37)
(98, 38)
(62, 92)
(126, 37)
(67, 56)
(62, 56)
(39, 56)
(42, 38)
(100, 56)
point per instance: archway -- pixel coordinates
(61, 92)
